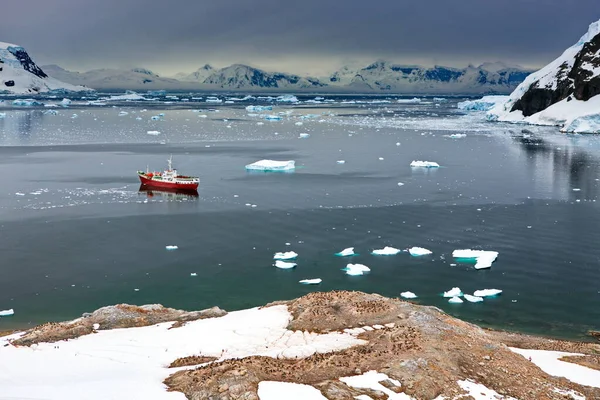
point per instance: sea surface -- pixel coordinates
(77, 232)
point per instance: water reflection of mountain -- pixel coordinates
(564, 159)
(168, 194)
(20, 124)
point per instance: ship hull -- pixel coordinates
(151, 183)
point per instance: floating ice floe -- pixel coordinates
(484, 258)
(414, 100)
(171, 247)
(155, 117)
(484, 104)
(386, 251)
(154, 133)
(454, 292)
(299, 123)
(400, 184)
(473, 299)
(341, 162)
(131, 96)
(65, 102)
(288, 255)
(123, 113)
(304, 135)
(487, 292)
(213, 99)
(3, 115)
(259, 108)
(356, 269)
(418, 251)
(284, 265)
(315, 281)
(193, 274)
(456, 135)
(455, 300)
(47, 112)
(287, 99)
(272, 117)
(346, 252)
(26, 103)
(408, 295)
(271, 165)
(424, 164)
(7, 313)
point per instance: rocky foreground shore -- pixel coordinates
(425, 350)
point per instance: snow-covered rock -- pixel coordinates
(20, 75)
(271, 165)
(562, 92)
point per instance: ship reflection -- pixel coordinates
(170, 194)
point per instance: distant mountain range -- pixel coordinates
(379, 77)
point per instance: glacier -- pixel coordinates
(272, 166)
(486, 103)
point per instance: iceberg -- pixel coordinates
(171, 247)
(454, 292)
(284, 265)
(356, 269)
(7, 313)
(408, 295)
(65, 102)
(259, 108)
(455, 300)
(483, 258)
(288, 98)
(304, 135)
(386, 251)
(418, 251)
(315, 281)
(346, 252)
(288, 255)
(473, 299)
(270, 165)
(486, 103)
(487, 292)
(424, 164)
(26, 103)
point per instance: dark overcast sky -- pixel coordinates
(299, 36)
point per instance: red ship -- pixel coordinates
(168, 179)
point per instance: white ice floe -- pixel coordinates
(65, 102)
(424, 164)
(454, 292)
(484, 104)
(193, 274)
(455, 300)
(123, 113)
(346, 252)
(487, 292)
(371, 380)
(304, 135)
(315, 281)
(473, 299)
(287, 99)
(456, 135)
(258, 108)
(213, 99)
(386, 251)
(7, 313)
(272, 390)
(271, 165)
(284, 265)
(154, 133)
(341, 161)
(414, 100)
(171, 247)
(288, 255)
(126, 97)
(408, 295)
(483, 258)
(479, 392)
(356, 269)
(272, 118)
(549, 362)
(132, 363)
(418, 251)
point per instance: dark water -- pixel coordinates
(76, 232)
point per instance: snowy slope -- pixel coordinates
(20, 75)
(562, 92)
(198, 76)
(107, 78)
(383, 76)
(239, 76)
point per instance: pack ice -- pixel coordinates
(271, 165)
(424, 164)
(484, 259)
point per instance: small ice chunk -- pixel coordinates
(258, 108)
(272, 118)
(341, 162)
(456, 135)
(123, 113)
(400, 184)
(171, 247)
(418, 251)
(484, 258)
(356, 269)
(473, 299)
(65, 102)
(455, 300)
(155, 118)
(454, 292)
(96, 326)
(193, 274)
(299, 124)
(424, 164)
(303, 135)
(288, 255)
(576, 189)
(386, 251)
(315, 281)
(154, 133)
(380, 158)
(346, 252)
(271, 165)
(284, 265)
(487, 292)
(408, 295)
(7, 313)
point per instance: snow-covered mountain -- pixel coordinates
(564, 93)
(20, 75)
(107, 78)
(238, 76)
(383, 76)
(198, 76)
